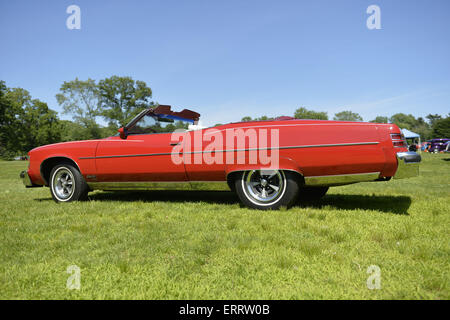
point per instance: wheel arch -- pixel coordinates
(231, 176)
(285, 164)
(48, 164)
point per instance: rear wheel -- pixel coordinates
(267, 189)
(312, 193)
(67, 184)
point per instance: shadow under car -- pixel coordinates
(388, 204)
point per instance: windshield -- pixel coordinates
(136, 118)
(151, 123)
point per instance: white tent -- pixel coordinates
(409, 134)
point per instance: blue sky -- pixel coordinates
(229, 59)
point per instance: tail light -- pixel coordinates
(398, 140)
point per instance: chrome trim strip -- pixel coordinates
(160, 185)
(330, 180)
(236, 150)
(330, 145)
(332, 123)
(128, 156)
(341, 179)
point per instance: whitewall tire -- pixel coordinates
(67, 184)
(267, 189)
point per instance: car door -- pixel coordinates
(139, 157)
(198, 167)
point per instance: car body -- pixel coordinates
(438, 145)
(306, 157)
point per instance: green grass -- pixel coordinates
(204, 245)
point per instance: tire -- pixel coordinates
(312, 193)
(67, 184)
(267, 189)
(231, 185)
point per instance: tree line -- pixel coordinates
(433, 126)
(26, 123)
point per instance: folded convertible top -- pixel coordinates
(184, 114)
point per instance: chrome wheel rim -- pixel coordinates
(63, 184)
(264, 187)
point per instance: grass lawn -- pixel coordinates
(204, 245)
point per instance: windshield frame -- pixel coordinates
(137, 118)
(159, 118)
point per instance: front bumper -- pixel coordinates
(27, 181)
(408, 165)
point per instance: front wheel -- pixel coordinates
(67, 184)
(267, 189)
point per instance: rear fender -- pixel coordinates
(285, 163)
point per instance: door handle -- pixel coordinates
(175, 143)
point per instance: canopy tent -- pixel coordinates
(411, 135)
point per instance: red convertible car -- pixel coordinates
(268, 164)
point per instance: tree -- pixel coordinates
(12, 131)
(72, 131)
(419, 125)
(41, 125)
(9, 123)
(25, 123)
(347, 116)
(441, 128)
(422, 128)
(80, 99)
(432, 118)
(303, 113)
(380, 119)
(262, 118)
(122, 98)
(404, 121)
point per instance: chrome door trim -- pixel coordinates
(329, 180)
(159, 185)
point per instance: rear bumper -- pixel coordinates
(27, 181)
(408, 165)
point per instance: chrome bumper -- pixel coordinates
(27, 181)
(408, 165)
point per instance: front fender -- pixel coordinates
(42, 157)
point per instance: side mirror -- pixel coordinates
(122, 133)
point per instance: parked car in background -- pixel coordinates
(438, 145)
(311, 156)
(447, 147)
